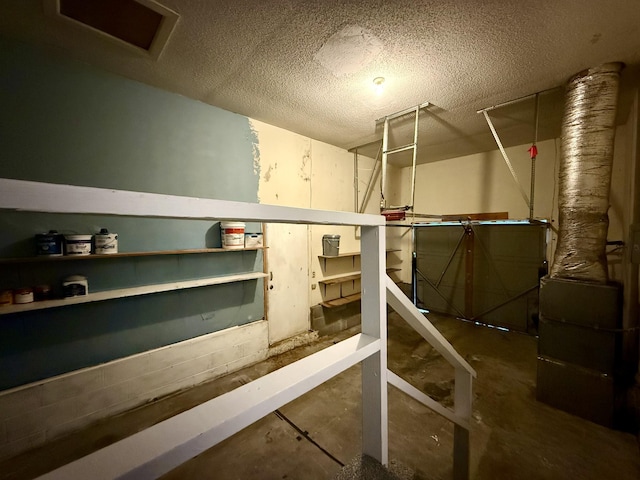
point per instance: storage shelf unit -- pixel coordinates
(348, 254)
(340, 284)
(350, 277)
(130, 292)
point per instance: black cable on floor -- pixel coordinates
(306, 435)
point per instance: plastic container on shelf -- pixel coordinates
(331, 245)
(232, 235)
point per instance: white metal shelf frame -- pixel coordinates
(160, 448)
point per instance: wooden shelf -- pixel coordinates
(130, 292)
(350, 277)
(338, 302)
(62, 258)
(340, 279)
(355, 254)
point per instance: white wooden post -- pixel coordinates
(374, 323)
(462, 408)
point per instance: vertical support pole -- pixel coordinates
(385, 147)
(374, 323)
(414, 266)
(534, 154)
(631, 279)
(356, 181)
(469, 250)
(414, 157)
(462, 407)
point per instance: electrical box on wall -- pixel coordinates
(634, 242)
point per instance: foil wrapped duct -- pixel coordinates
(588, 129)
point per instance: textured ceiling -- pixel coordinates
(308, 66)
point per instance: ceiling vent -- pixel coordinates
(143, 25)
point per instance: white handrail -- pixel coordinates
(24, 195)
(403, 306)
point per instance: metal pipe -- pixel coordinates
(372, 180)
(534, 154)
(383, 180)
(415, 155)
(403, 112)
(517, 100)
(506, 158)
(401, 149)
(356, 201)
(586, 160)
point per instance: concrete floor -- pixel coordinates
(513, 436)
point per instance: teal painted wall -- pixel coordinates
(66, 122)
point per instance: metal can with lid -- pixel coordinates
(49, 244)
(106, 243)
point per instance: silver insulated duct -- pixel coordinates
(588, 129)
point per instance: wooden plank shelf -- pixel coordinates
(355, 254)
(350, 277)
(338, 302)
(62, 258)
(130, 292)
(340, 279)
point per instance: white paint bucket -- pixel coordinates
(106, 242)
(232, 235)
(77, 244)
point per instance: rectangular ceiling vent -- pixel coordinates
(143, 25)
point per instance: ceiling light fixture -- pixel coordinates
(378, 85)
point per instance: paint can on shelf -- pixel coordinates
(331, 245)
(232, 235)
(75, 285)
(105, 242)
(42, 292)
(23, 295)
(6, 297)
(49, 244)
(77, 244)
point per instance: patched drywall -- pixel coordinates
(284, 160)
(301, 172)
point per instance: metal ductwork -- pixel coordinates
(588, 129)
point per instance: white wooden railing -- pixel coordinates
(160, 448)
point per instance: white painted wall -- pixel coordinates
(301, 172)
(284, 159)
